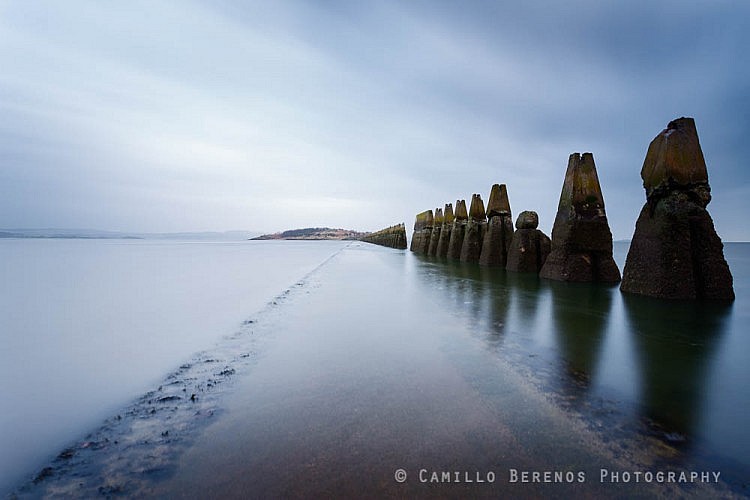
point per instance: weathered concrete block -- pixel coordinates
(437, 228)
(530, 247)
(581, 238)
(498, 203)
(445, 231)
(675, 252)
(393, 237)
(420, 239)
(527, 220)
(457, 231)
(499, 228)
(476, 226)
(674, 159)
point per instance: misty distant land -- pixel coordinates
(310, 233)
(313, 233)
(96, 234)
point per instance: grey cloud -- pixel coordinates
(262, 115)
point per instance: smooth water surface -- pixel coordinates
(676, 370)
(400, 361)
(383, 359)
(88, 325)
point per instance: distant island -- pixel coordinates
(313, 233)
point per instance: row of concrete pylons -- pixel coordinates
(483, 236)
(675, 251)
(393, 237)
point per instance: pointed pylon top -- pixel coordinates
(476, 211)
(581, 193)
(461, 213)
(498, 203)
(438, 219)
(448, 213)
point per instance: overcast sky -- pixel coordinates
(179, 115)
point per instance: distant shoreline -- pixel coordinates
(66, 237)
(314, 234)
(95, 234)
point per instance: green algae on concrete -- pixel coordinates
(476, 227)
(458, 231)
(445, 231)
(420, 240)
(437, 228)
(499, 228)
(675, 252)
(498, 203)
(530, 247)
(393, 237)
(581, 194)
(674, 158)
(581, 238)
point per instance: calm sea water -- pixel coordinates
(87, 325)
(400, 361)
(677, 371)
(385, 359)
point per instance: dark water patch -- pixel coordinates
(656, 379)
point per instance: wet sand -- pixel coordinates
(356, 374)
